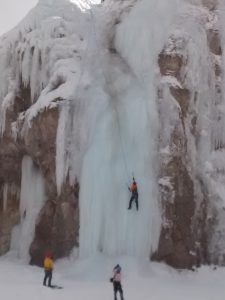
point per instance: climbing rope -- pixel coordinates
(126, 169)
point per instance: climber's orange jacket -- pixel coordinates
(133, 187)
(48, 263)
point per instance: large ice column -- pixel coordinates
(124, 141)
(61, 143)
(122, 145)
(31, 201)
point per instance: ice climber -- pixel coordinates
(48, 267)
(134, 196)
(116, 280)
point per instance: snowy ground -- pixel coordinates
(85, 280)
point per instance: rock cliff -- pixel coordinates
(44, 71)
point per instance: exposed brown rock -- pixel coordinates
(176, 244)
(58, 225)
(40, 144)
(23, 100)
(190, 220)
(180, 244)
(214, 41)
(58, 222)
(9, 214)
(170, 64)
(183, 97)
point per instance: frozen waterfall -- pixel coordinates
(31, 201)
(123, 141)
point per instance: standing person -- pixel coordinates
(116, 280)
(134, 196)
(48, 267)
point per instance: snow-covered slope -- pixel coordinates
(90, 279)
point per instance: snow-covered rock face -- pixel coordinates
(92, 97)
(192, 89)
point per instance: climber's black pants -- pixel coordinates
(48, 276)
(117, 288)
(134, 197)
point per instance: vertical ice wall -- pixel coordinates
(31, 200)
(118, 149)
(123, 140)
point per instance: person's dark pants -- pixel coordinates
(48, 276)
(134, 197)
(117, 288)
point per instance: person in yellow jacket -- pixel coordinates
(48, 267)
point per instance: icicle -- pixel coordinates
(8, 100)
(31, 201)
(26, 60)
(34, 77)
(61, 150)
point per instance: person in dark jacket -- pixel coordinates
(134, 194)
(116, 280)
